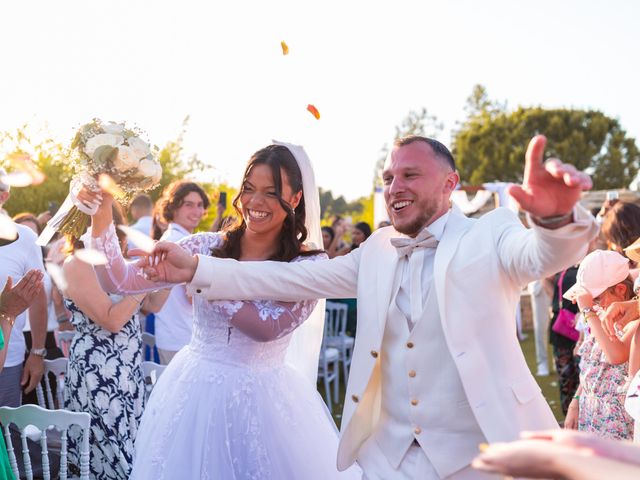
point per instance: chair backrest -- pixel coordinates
(64, 339)
(151, 372)
(42, 419)
(336, 319)
(148, 340)
(58, 368)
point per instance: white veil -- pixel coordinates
(304, 349)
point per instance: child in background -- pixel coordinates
(598, 407)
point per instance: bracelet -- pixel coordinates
(10, 319)
(62, 318)
(553, 220)
(576, 397)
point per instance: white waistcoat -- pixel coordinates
(422, 395)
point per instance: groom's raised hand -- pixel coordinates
(550, 188)
(168, 262)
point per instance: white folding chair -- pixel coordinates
(58, 368)
(148, 342)
(64, 339)
(329, 367)
(151, 372)
(338, 338)
(43, 419)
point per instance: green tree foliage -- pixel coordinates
(415, 123)
(490, 145)
(174, 164)
(50, 157)
(360, 210)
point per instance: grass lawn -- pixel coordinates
(548, 384)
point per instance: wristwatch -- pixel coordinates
(40, 352)
(587, 310)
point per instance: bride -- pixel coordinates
(229, 406)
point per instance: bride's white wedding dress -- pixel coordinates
(228, 406)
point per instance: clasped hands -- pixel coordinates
(168, 262)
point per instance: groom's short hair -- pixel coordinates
(438, 148)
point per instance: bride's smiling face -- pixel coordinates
(259, 203)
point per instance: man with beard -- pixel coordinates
(437, 368)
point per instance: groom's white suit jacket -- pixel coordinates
(479, 271)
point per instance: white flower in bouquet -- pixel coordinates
(126, 159)
(104, 149)
(158, 175)
(140, 147)
(114, 128)
(147, 168)
(103, 139)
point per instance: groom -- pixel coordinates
(437, 368)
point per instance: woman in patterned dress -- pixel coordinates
(598, 406)
(229, 406)
(104, 375)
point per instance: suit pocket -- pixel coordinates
(525, 389)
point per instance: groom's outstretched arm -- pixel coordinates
(227, 279)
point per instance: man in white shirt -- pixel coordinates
(16, 258)
(437, 368)
(182, 206)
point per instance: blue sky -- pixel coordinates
(364, 64)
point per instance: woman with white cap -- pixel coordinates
(598, 407)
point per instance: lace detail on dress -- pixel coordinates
(120, 276)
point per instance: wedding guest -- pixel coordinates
(621, 226)
(598, 406)
(540, 305)
(565, 454)
(141, 210)
(104, 375)
(229, 403)
(14, 300)
(53, 352)
(28, 220)
(564, 356)
(183, 205)
(18, 256)
(327, 237)
(361, 231)
(158, 225)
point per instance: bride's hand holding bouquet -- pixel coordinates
(110, 149)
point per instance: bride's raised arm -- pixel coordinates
(118, 275)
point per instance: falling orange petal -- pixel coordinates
(314, 111)
(110, 186)
(285, 48)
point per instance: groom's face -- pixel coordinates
(417, 186)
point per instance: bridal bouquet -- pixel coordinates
(100, 149)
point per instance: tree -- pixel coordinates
(50, 157)
(490, 145)
(174, 165)
(415, 123)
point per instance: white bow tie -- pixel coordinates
(406, 245)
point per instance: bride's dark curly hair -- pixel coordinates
(293, 233)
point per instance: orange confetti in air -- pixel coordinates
(285, 48)
(314, 111)
(110, 186)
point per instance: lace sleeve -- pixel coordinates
(267, 320)
(123, 277)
